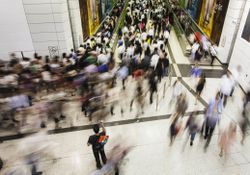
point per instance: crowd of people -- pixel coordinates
(87, 80)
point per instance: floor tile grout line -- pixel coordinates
(203, 102)
(86, 127)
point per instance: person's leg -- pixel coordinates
(211, 130)
(116, 170)
(231, 94)
(97, 159)
(225, 100)
(131, 104)
(123, 83)
(151, 96)
(192, 138)
(212, 60)
(206, 130)
(103, 155)
(112, 109)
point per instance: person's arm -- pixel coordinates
(89, 142)
(103, 128)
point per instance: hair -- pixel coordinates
(96, 128)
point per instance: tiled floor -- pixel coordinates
(67, 152)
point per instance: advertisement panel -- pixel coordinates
(106, 6)
(207, 16)
(246, 31)
(93, 15)
(193, 9)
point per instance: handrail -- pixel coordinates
(120, 24)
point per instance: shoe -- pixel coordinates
(191, 143)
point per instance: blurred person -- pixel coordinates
(213, 53)
(96, 141)
(200, 86)
(226, 138)
(155, 58)
(181, 105)
(177, 90)
(116, 157)
(152, 86)
(16, 102)
(138, 98)
(212, 116)
(174, 129)
(1, 164)
(166, 36)
(196, 71)
(194, 49)
(198, 54)
(244, 120)
(205, 45)
(122, 73)
(226, 87)
(192, 126)
(236, 71)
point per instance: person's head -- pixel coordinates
(64, 55)
(96, 128)
(239, 68)
(156, 50)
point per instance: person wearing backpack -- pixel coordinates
(98, 140)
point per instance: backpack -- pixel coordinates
(103, 139)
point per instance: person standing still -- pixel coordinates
(97, 147)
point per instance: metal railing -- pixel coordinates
(169, 80)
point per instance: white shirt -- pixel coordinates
(151, 32)
(121, 49)
(213, 51)
(46, 76)
(125, 29)
(25, 64)
(227, 84)
(236, 75)
(144, 36)
(145, 45)
(154, 60)
(130, 51)
(160, 42)
(102, 59)
(166, 34)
